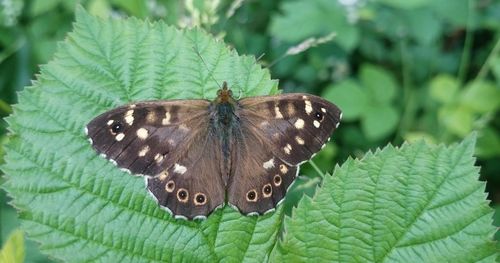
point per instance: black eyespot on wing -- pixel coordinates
(117, 127)
(182, 194)
(251, 195)
(319, 116)
(200, 198)
(267, 189)
(277, 180)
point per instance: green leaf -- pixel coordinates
(455, 12)
(78, 206)
(379, 121)
(13, 249)
(443, 88)
(41, 6)
(418, 203)
(457, 119)
(349, 96)
(407, 4)
(423, 25)
(379, 83)
(481, 96)
(312, 18)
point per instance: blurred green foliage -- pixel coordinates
(400, 70)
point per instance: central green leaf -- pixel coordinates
(81, 207)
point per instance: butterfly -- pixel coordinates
(196, 155)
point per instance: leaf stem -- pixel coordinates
(316, 168)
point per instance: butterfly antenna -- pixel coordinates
(260, 57)
(206, 66)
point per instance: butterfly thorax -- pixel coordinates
(224, 95)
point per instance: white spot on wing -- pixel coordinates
(180, 217)
(129, 117)
(158, 158)
(144, 151)
(299, 124)
(151, 117)
(269, 164)
(308, 107)
(179, 169)
(316, 124)
(199, 217)
(166, 120)
(287, 148)
(119, 136)
(299, 140)
(163, 175)
(323, 110)
(86, 130)
(110, 122)
(283, 169)
(277, 113)
(269, 211)
(142, 133)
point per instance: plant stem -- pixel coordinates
(407, 111)
(487, 64)
(316, 168)
(465, 59)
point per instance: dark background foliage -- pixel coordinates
(437, 61)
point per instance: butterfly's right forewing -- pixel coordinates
(147, 137)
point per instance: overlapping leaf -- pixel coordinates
(414, 204)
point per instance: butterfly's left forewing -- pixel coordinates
(274, 135)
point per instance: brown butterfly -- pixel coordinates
(195, 154)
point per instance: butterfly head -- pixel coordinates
(224, 95)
